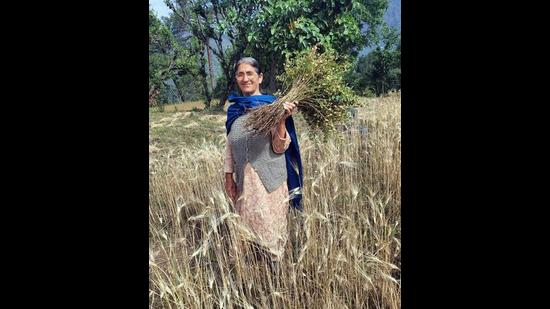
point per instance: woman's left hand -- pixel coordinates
(290, 108)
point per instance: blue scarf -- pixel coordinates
(292, 154)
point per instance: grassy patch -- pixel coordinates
(183, 129)
(183, 107)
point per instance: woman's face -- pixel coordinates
(248, 80)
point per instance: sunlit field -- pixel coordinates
(344, 249)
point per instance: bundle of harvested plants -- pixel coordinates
(316, 81)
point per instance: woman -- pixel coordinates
(260, 171)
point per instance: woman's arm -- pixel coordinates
(228, 161)
(280, 138)
(230, 186)
(280, 142)
(281, 128)
(290, 109)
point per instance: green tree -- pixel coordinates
(167, 59)
(214, 22)
(191, 85)
(290, 26)
(187, 18)
(379, 71)
(269, 30)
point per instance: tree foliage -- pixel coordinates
(214, 22)
(272, 30)
(167, 59)
(379, 71)
(286, 27)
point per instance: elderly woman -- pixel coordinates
(260, 170)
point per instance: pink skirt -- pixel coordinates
(264, 214)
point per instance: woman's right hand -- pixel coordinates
(290, 108)
(230, 187)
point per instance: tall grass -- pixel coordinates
(343, 251)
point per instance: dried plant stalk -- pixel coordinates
(265, 118)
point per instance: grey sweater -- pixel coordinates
(270, 166)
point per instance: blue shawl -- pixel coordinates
(292, 154)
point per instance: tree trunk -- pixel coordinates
(211, 71)
(153, 93)
(202, 71)
(180, 95)
(271, 85)
(227, 88)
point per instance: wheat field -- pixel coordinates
(344, 249)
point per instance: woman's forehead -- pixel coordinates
(245, 67)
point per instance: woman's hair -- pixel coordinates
(249, 60)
